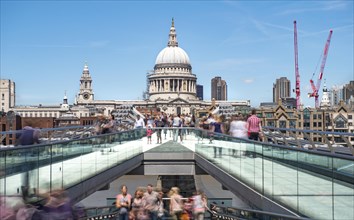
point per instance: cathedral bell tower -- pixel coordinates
(85, 94)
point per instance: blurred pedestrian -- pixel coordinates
(217, 129)
(176, 204)
(109, 125)
(149, 134)
(254, 126)
(160, 204)
(238, 127)
(137, 211)
(29, 136)
(150, 201)
(58, 206)
(199, 205)
(139, 122)
(159, 124)
(123, 202)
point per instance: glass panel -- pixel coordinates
(268, 168)
(3, 166)
(318, 186)
(42, 168)
(248, 164)
(43, 173)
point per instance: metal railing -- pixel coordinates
(50, 135)
(334, 142)
(212, 212)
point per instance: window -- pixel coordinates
(306, 124)
(340, 123)
(315, 124)
(282, 124)
(270, 123)
(350, 117)
(314, 116)
(306, 114)
(3, 96)
(292, 124)
(319, 124)
(319, 116)
(269, 115)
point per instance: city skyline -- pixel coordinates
(44, 45)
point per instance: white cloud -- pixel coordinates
(248, 81)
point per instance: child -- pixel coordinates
(148, 134)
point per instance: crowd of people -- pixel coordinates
(240, 126)
(157, 123)
(150, 204)
(154, 204)
(237, 126)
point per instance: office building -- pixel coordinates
(281, 89)
(218, 89)
(200, 92)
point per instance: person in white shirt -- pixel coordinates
(238, 128)
(139, 123)
(176, 123)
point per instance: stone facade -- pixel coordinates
(335, 119)
(7, 95)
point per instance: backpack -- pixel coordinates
(160, 124)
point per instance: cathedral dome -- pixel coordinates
(172, 55)
(172, 77)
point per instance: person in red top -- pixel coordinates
(149, 134)
(254, 126)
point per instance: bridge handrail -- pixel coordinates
(328, 142)
(217, 211)
(308, 131)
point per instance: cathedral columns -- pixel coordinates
(178, 85)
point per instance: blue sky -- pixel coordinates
(44, 45)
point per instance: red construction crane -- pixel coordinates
(316, 88)
(297, 75)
